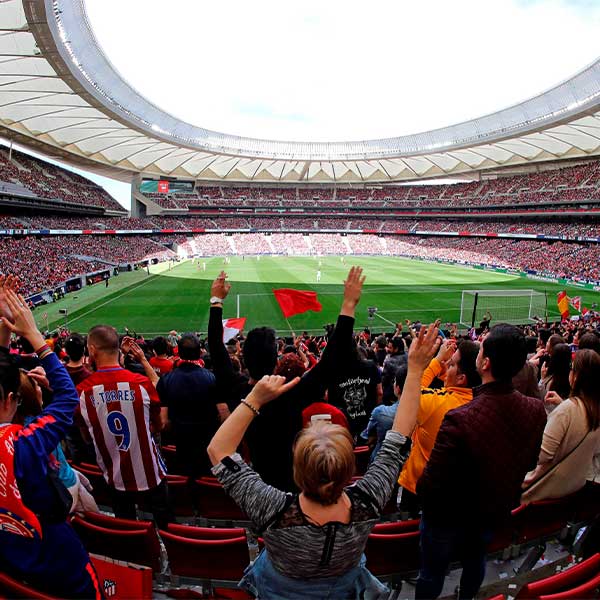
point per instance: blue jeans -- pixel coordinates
(440, 546)
(263, 581)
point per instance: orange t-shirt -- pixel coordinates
(433, 406)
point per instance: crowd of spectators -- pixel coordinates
(46, 262)
(67, 256)
(577, 183)
(569, 229)
(49, 181)
(255, 244)
(475, 405)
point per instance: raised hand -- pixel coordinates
(423, 347)
(23, 322)
(7, 282)
(136, 351)
(446, 351)
(269, 388)
(352, 291)
(220, 286)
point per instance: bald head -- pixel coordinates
(103, 339)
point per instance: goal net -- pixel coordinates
(505, 306)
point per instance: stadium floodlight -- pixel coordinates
(505, 306)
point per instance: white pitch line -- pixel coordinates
(386, 320)
(126, 291)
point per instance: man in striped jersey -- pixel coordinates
(121, 410)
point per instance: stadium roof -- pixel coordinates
(59, 93)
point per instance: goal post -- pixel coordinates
(505, 306)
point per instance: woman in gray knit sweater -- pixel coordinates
(314, 540)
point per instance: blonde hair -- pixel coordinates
(323, 462)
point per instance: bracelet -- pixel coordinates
(43, 351)
(254, 410)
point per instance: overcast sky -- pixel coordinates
(341, 70)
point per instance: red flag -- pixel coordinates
(163, 187)
(563, 304)
(294, 302)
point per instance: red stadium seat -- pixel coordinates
(586, 575)
(11, 588)
(136, 545)
(212, 559)
(181, 496)
(214, 503)
(362, 455)
(393, 548)
(590, 589)
(396, 527)
(544, 518)
(110, 522)
(206, 533)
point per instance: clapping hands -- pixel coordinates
(423, 347)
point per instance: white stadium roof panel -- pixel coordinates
(58, 92)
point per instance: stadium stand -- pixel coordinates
(553, 186)
(44, 180)
(542, 223)
(198, 551)
(67, 257)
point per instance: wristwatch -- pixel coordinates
(216, 300)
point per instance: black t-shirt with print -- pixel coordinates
(354, 391)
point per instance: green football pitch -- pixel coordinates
(178, 298)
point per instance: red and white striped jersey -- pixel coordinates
(118, 407)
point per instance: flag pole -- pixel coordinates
(289, 326)
(238, 305)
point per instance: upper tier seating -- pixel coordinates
(550, 186)
(45, 180)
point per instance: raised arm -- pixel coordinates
(221, 363)
(420, 353)
(44, 433)
(437, 366)
(383, 472)
(339, 347)
(139, 355)
(7, 282)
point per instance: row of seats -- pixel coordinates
(220, 555)
(206, 499)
